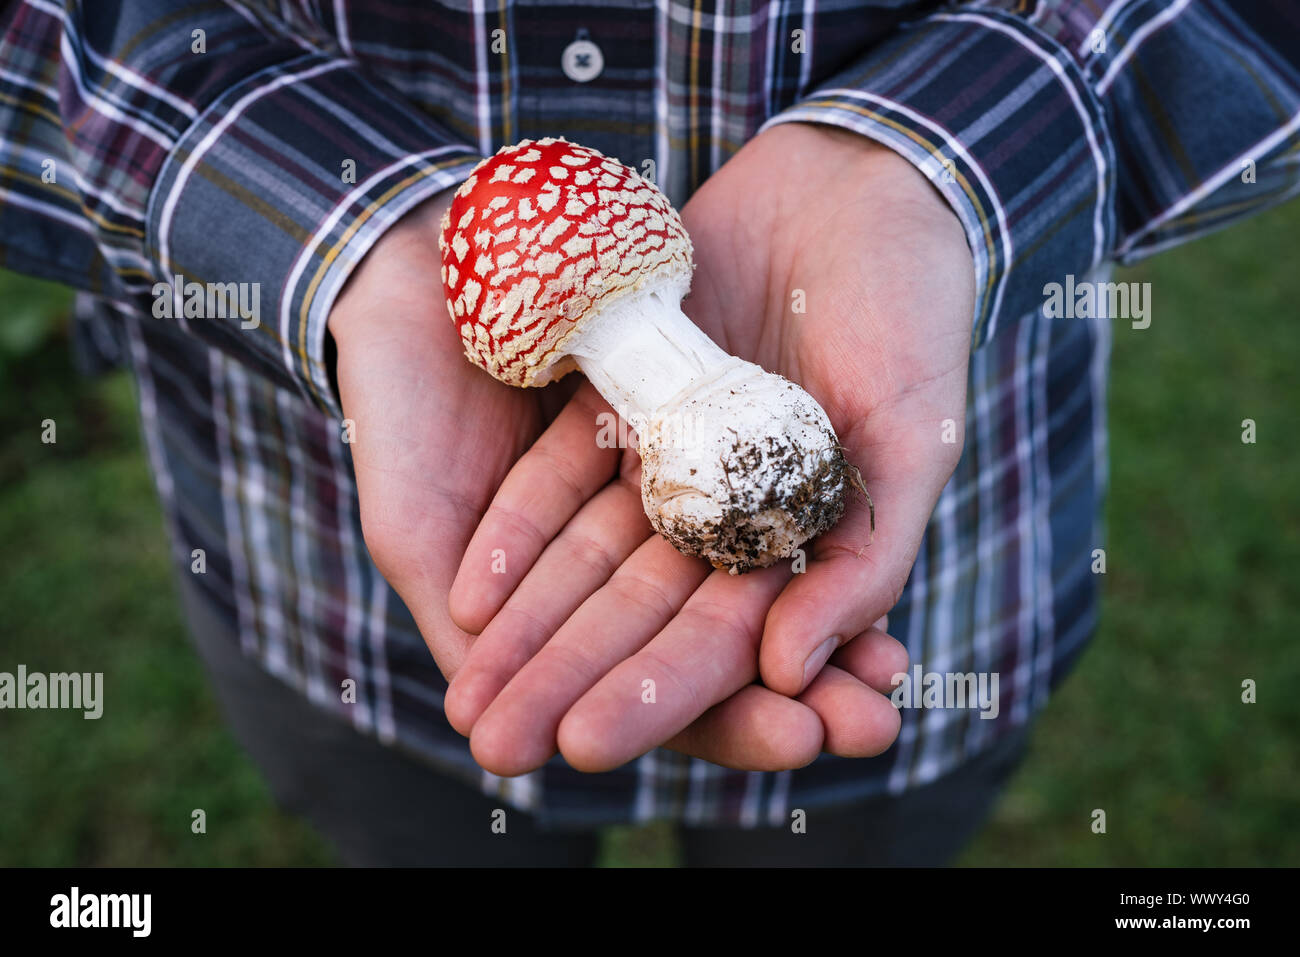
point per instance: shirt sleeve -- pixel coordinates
(214, 165)
(1080, 132)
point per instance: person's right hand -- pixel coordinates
(433, 436)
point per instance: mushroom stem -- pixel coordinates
(644, 351)
(737, 464)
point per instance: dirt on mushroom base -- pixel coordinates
(766, 516)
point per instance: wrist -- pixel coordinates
(404, 263)
(878, 175)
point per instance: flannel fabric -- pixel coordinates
(150, 140)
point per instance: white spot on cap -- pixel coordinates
(554, 229)
(470, 295)
(558, 172)
(547, 197)
(459, 246)
(531, 156)
(524, 175)
(466, 219)
(572, 159)
(502, 173)
(577, 245)
(547, 263)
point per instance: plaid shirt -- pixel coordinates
(1065, 135)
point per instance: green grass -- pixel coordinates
(1203, 543)
(1199, 595)
(85, 586)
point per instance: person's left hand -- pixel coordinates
(578, 622)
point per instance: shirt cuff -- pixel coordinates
(1001, 119)
(280, 187)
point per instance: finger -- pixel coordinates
(565, 467)
(755, 729)
(518, 714)
(703, 656)
(874, 658)
(858, 722)
(579, 561)
(856, 575)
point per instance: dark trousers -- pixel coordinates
(381, 807)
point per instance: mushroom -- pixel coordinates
(556, 257)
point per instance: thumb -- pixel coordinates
(857, 575)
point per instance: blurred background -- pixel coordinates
(1203, 562)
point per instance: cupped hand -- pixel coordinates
(831, 260)
(431, 435)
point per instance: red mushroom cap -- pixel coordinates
(540, 237)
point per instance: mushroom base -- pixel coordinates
(761, 474)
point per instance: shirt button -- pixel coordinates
(582, 60)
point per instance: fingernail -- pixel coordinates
(818, 658)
